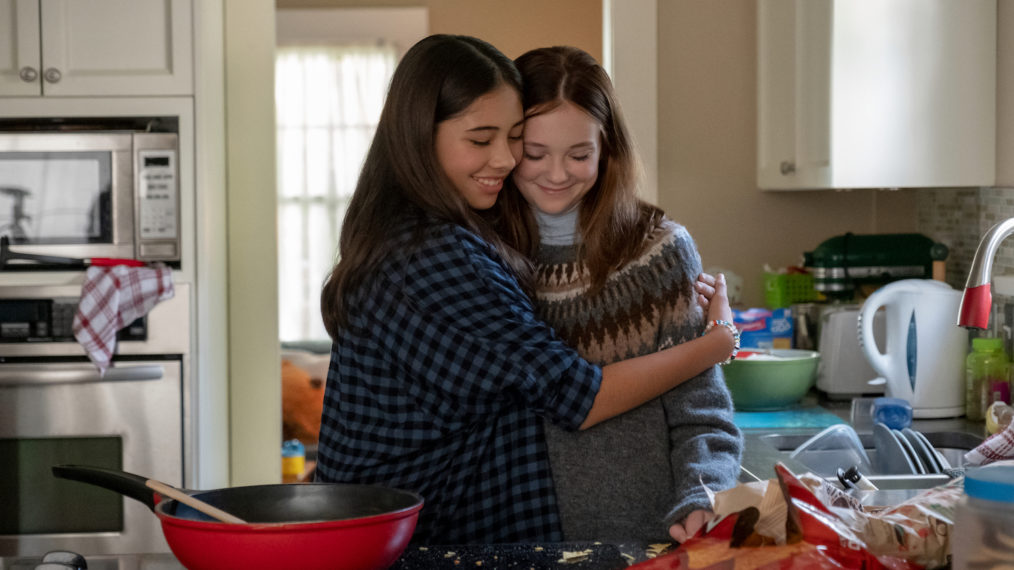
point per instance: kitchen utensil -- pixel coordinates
(924, 355)
(770, 380)
(193, 502)
(891, 457)
(307, 526)
(7, 255)
(852, 478)
(807, 325)
(836, 447)
(844, 372)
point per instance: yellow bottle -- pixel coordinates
(293, 460)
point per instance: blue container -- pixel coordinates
(895, 413)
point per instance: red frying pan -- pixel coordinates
(308, 526)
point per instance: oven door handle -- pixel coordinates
(12, 375)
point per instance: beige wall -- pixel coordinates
(1005, 93)
(707, 153)
(707, 125)
(254, 354)
(514, 27)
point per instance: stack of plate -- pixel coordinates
(905, 452)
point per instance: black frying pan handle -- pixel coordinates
(122, 482)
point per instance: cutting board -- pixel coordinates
(808, 417)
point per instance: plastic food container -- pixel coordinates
(837, 447)
(983, 534)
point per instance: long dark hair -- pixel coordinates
(612, 220)
(401, 179)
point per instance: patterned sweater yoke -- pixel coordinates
(642, 307)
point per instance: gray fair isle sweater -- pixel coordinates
(631, 477)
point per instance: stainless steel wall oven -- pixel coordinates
(56, 409)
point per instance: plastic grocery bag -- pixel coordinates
(805, 523)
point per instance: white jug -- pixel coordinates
(924, 357)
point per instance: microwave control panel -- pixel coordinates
(158, 195)
(50, 320)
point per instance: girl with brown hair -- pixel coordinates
(615, 279)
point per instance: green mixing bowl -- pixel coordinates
(770, 379)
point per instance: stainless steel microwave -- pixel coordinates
(86, 194)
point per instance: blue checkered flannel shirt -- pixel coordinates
(438, 385)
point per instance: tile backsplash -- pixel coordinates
(958, 217)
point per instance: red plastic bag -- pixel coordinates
(815, 540)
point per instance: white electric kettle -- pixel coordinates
(924, 357)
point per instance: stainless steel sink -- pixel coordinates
(951, 444)
(764, 449)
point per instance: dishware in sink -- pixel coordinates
(770, 379)
(891, 457)
(924, 450)
(836, 447)
(913, 456)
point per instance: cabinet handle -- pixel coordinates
(52, 75)
(788, 167)
(21, 375)
(28, 74)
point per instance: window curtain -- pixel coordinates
(328, 101)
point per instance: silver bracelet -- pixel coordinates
(735, 337)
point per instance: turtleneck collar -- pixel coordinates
(558, 229)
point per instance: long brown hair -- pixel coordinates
(401, 179)
(612, 220)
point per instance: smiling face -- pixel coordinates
(561, 158)
(479, 147)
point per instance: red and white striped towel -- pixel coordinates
(112, 298)
(997, 447)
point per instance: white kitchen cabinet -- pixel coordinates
(96, 48)
(876, 93)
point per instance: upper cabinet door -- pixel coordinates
(876, 94)
(20, 74)
(116, 47)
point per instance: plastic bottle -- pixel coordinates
(986, 377)
(998, 417)
(983, 532)
(293, 460)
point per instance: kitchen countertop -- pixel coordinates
(600, 556)
(758, 463)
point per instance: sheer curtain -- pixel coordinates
(328, 100)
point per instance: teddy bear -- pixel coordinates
(302, 404)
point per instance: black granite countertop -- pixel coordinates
(598, 556)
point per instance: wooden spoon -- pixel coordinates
(191, 501)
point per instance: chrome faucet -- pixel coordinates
(977, 300)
